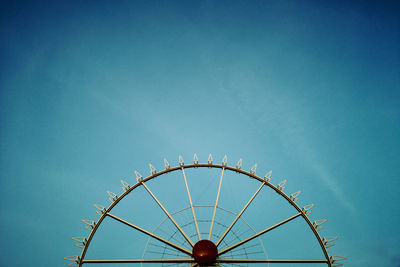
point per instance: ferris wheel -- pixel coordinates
(204, 214)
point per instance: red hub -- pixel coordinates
(205, 252)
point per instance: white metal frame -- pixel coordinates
(303, 212)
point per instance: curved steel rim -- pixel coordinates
(172, 169)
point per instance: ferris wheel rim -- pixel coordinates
(140, 181)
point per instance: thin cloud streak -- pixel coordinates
(295, 138)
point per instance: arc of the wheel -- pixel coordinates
(188, 260)
(169, 215)
(238, 216)
(150, 234)
(191, 204)
(222, 260)
(216, 203)
(277, 190)
(258, 234)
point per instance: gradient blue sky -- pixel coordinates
(91, 90)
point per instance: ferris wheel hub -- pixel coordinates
(205, 252)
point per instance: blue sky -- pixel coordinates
(91, 91)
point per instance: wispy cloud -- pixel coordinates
(331, 183)
(284, 117)
(295, 137)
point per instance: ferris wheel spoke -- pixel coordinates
(150, 234)
(188, 260)
(191, 204)
(216, 203)
(163, 247)
(240, 214)
(223, 260)
(171, 264)
(167, 213)
(247, 253)
(244, 248)
(258, 234)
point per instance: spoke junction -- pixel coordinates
(169, 215)
(216, 204)
(189, 260)
(258, 234)
(205, 252)
(223, 260)
(191, 204)
(240, 214)
(151, 234)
